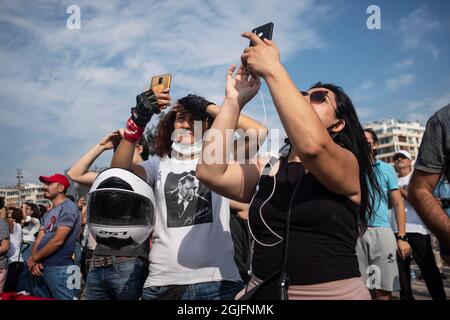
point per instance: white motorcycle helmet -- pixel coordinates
(121, 209)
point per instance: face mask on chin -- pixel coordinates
(187, 149)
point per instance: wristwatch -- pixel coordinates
(404, 237)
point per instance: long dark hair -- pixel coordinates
(353, 139)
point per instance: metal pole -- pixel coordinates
(19, 176)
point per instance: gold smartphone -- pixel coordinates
(161, 82)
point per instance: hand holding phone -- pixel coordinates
(264, 32)
(160, 82)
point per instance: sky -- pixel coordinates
(63, 89)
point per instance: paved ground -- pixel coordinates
(419, 288)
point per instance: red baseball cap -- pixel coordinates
(60, 178)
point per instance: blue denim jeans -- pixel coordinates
(55, 283)
(26, 281)
(118, 281)
(215, 290)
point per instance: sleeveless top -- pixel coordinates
(322, 234)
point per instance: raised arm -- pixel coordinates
(230, 179)
(253, 134)
(147, 104)
(334, 166)
(79, 171)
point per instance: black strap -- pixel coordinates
(288, 217)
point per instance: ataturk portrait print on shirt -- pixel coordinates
(188, 201)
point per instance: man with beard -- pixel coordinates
(55, 244)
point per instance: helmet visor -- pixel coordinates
(120, 208)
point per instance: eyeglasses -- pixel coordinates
(318, 97)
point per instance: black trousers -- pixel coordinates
(422, 253)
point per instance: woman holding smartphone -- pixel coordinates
(323, 180)
(192, 249)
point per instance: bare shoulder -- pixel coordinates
(139, 171)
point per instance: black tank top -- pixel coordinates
(322, 234)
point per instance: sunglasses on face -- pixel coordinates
(318, 96)
(399, 158)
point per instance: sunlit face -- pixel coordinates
(27, 210)
(184, 127)
(400, 162)
(326, 109)
(52, 190)
(188, 189)
(373, 145)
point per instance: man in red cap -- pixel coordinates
(51, 261)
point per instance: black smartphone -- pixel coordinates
(264, 31)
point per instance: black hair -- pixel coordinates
(353, 139)
(192, 102)
(16, 214)
(145, 147)
(2, 202)
(35, 209)
(372, 133)
(42, 209)
(188, 177)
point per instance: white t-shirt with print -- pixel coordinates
(413, 222)
(191, 239)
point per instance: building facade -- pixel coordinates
(394, 135)
(29, 192)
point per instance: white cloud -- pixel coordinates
(367, 84)
(62, 90)
(422, 110)
(400, 81)
(414, 31)
(361, 93)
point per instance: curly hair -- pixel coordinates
(166, 126)
(163, 136)
(16, 214)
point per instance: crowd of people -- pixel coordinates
(196, 221)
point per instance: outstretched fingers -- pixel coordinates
(230, 72)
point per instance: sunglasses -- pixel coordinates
(399, 157)
(318, 96)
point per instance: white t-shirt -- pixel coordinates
(191, 239)
(30, 230)
(413, 222)
(15, 242)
